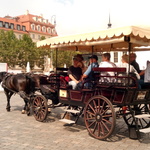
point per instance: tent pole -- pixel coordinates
(56, 59)
(92, 49)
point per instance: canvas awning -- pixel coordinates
(114, 39)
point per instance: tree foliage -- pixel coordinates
(16, 51)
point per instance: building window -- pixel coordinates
(1, 23)
(115, 57)
(53, 31)
(23, 28)
(43, 29)
(33, 36)
(49, 30)
(39, 37)
(12, 26)
(18, 27)
(32, 26)
(6, 25)
(39, 28)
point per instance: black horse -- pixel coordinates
(23, 84)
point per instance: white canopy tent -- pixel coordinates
(130, 38)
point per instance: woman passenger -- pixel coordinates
(125, 63)
(80, 63)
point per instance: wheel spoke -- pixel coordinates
(89, 119)
(145, 121)
(90, 113)
(98, 105)
(105, 110)
(108, 115)
(106, 127)
(95, 126)
(92, 108)
(102, 107)
(35, 103)
(91, 124)
(107, 121)
(95, 106)
(101, 129)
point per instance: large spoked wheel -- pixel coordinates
(40, 108)
(138, 109)
(99, 117)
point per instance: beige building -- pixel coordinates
(33, 25)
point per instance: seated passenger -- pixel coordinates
(88, 74)
(133, 62)
(75, 73)
(106, 63)
(80, 63)
(125, 63)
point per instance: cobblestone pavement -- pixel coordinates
(21, 132)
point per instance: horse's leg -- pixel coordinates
(26, 108)
(8, 95)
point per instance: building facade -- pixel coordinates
(33, 25)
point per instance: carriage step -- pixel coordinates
(146, 130)
(142, 116)
(67, 121)
(72, 111)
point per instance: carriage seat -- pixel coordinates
(119, 80)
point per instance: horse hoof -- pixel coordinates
(28, 113)
(8, 109)
(23, 112)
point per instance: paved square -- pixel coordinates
(21, 132)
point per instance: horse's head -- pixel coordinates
(2, 76)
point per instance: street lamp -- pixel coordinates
(53, 18)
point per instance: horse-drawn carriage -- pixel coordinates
(109, 95)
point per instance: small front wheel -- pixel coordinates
(40, 108)
(99, 117)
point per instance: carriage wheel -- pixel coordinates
(138, 109)
(40, 108)
(99, 117)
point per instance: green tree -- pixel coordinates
(27, 51)
(20, 51)
(8, 44)
(63, 57)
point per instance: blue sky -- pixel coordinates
(80, 16)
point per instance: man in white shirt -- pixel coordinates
(106, 63)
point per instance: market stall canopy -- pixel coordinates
(114, 39)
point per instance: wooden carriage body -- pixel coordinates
(120, 90)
